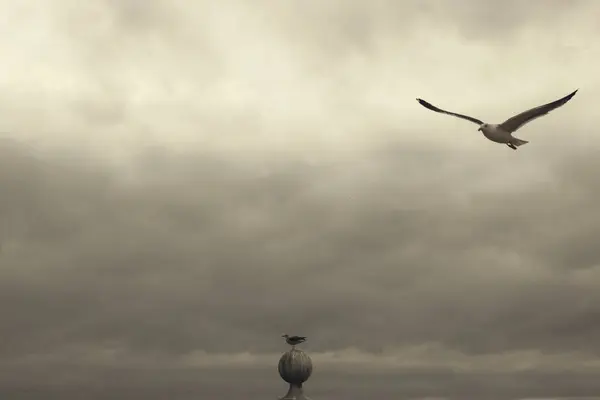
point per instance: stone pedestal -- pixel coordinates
(295, 393)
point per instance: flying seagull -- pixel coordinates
(293, 340)
(502, 133)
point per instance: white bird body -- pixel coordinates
(502, 133)
(495, 133)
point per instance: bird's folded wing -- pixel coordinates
(514, 123)
(439, 110)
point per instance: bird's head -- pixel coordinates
(285, 335)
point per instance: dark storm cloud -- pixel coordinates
(204, 253)
(122, 383)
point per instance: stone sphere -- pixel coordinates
(295, 367)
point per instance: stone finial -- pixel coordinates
(295, 367)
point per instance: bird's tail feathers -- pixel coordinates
(519, 142)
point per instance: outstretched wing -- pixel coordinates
(439, 110)
(514, 123)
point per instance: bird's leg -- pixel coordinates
(512, 146)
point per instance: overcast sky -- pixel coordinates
(184, 181)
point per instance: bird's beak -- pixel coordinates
(479, 129)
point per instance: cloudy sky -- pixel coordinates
(184, 181)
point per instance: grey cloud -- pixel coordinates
(340, 29)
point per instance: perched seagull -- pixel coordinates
(502, 133)
(293, 340)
